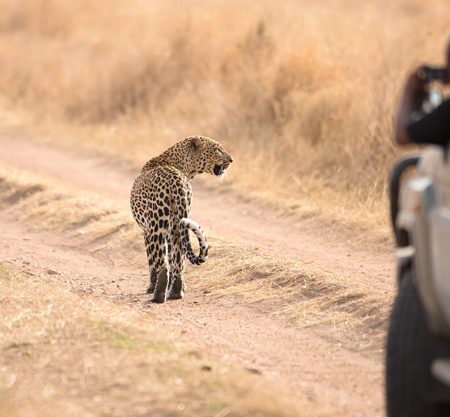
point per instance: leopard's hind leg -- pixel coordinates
(181, 206)
(159, 270)
(153, 274)
(162, 279)
(176, 260)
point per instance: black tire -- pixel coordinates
(411, 390)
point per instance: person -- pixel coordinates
(412, 124)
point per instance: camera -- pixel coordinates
(427, 74)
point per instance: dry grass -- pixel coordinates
(66, 355)
(301, 92)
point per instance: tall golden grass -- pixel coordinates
(302, 92)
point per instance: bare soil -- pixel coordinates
(304, 358)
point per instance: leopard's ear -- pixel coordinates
(195, 143)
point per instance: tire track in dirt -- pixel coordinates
(324, 371)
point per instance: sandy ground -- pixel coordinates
(308, 362)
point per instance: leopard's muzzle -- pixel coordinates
(219, 169)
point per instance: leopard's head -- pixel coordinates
(206, 155)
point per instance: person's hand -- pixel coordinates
(416, 84)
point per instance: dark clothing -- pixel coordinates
(433, 128)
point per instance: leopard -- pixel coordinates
(161, 199)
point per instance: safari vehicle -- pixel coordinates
(418, 345)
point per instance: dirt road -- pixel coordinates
(302, 357)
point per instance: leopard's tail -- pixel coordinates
(186, 225)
